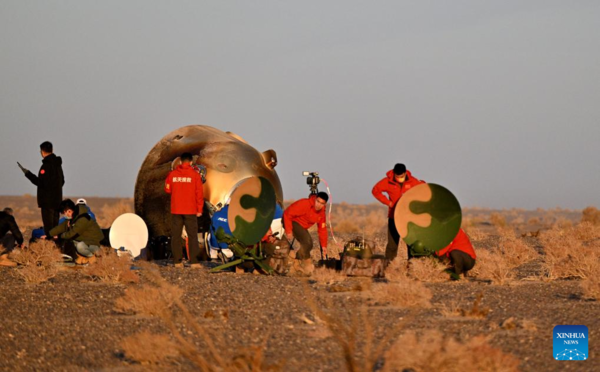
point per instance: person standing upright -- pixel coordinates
(187, 200)
(49, 182)
(396, 182)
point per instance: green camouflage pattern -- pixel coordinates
(251, 210)
(428, 218)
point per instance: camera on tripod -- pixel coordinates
(312, 180)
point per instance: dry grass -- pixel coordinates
(568, 253)
(497, 219)
(111, 268)
(39, 262)
(397, 269)
(326, 276)
(499, 264)
(360, 350)
(160, 299)
(493, 267)
(428, 269)
(432, 351)
(591, 215)
(585, 231)
(110, 212)
(515, 251)
(591, 286)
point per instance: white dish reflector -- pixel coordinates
(130, 232)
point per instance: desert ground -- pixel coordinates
(535, 270)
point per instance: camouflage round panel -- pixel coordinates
(428, 218)
(251, 210)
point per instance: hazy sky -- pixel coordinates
(499, 101)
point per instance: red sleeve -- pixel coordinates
(379, 189)
(294, 210)
(322, 230)
(444, 251)
(199, 193)
(168, 183)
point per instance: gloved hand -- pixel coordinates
(22, 169)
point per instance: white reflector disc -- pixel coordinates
(129, 231)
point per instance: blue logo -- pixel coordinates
(570, 342)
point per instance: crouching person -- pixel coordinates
(81, 229)
(9, 235)
(461, 255)
(297, 219)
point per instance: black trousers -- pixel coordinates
(461, 262)
(391, 250)
(190, 221)
(49, 219)
(7, 243)
(303, 237)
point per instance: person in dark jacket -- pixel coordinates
(184, 184)
(81, 229)
(396, 182)
(9, 234)
(49, 182)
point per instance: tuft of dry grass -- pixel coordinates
(359, 353)
(111, 268)
(158, 298)
(498, 265)
(476, 234)
(109, 213)
(591, 286)
(591, 215)
(397, 269)
(428, 269)
(39, 262)
(569, 254)
(432, 351)
(493, 267)
(497, 219)
(327, 276)
(515, 251)
(585, 231)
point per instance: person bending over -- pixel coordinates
(460, 253)
(9, 234)
(297, 219)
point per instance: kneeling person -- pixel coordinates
(9, 234)
(298, 218)
(81, 229)
(461, 254)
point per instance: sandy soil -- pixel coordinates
(70, 323)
